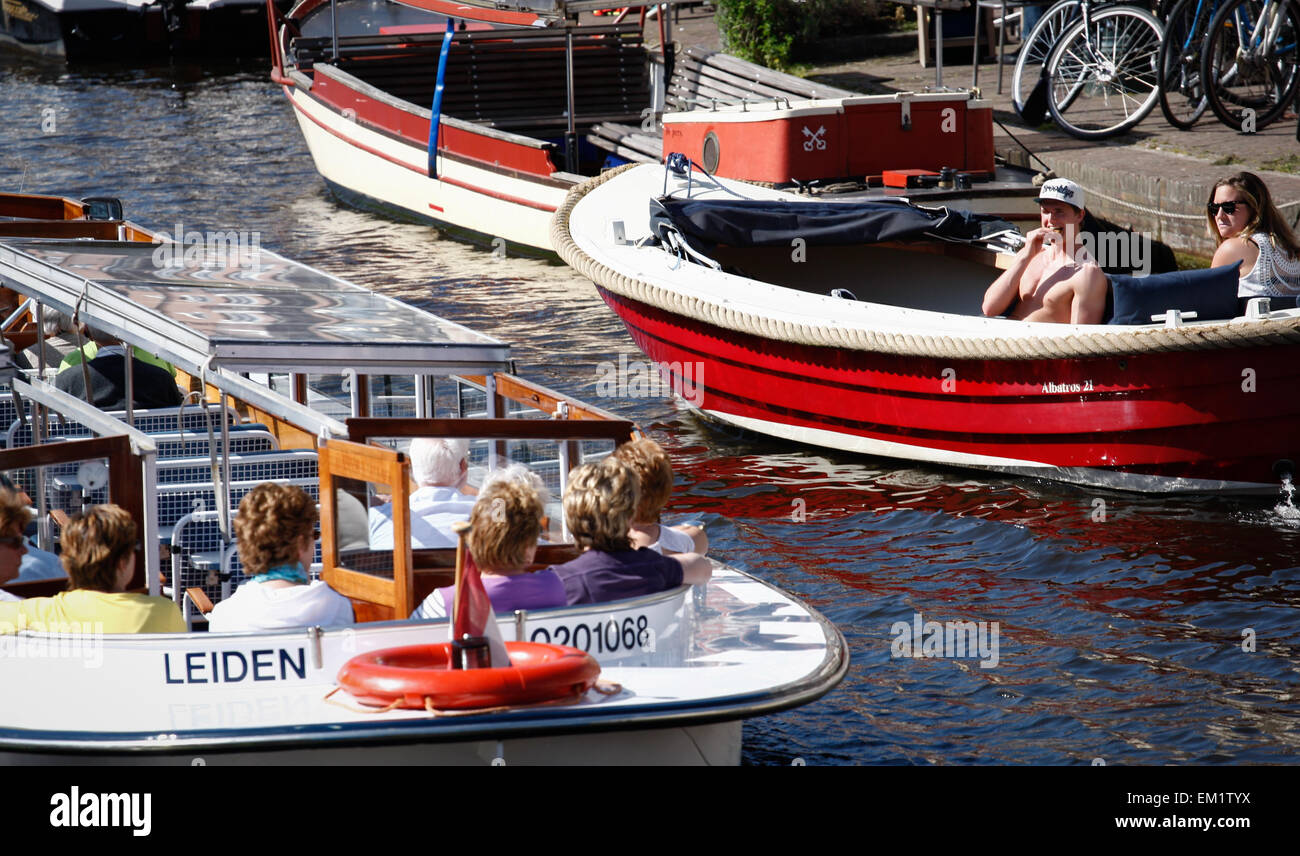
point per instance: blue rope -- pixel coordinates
(437, 99)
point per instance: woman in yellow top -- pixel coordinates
(99, 556)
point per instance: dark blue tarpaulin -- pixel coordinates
(760, 223)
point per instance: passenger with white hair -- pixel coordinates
(439, 468)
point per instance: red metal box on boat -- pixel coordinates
(919, 130)
(835, 138)
(764, 142)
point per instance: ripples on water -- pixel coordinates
(1121, 634)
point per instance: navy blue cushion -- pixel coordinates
(1210, 293)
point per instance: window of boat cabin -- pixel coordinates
(546, 462)
(384, 395)
(71, 471)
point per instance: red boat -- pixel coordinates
(530, 102)
(907, 366)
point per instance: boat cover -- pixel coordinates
(762, 223)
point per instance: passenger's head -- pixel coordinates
(438, 461)
(99, 549)
(520, 474)
(504, 526)
(14, 517)
(276, 526)
(599, 502)
(1061, 205)
(1241, 205)
(646, 458)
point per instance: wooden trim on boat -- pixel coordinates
(376, 464)
(32, 206)
(620, 431)
(124, 485)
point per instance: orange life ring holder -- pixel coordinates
(417, 676)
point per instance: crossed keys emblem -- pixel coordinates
(814, 139)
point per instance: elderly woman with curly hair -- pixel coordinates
(276, 533)
(504, 527)
(599, 504)
(99, 550)
(1248, 228)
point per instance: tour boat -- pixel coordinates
(781, 316)
(529, 102)
(131, 29)
(316, 361)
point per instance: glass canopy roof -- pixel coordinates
(252, 312)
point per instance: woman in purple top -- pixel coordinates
(505, 524)
(598, 507)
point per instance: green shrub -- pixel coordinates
(769, 32)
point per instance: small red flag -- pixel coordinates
(472, 613)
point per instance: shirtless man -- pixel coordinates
(1052, 277)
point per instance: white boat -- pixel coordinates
(531, 103)
(686, 666)
(128, 30)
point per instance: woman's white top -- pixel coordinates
(1275, 274)
(256, 606)
(673, 541)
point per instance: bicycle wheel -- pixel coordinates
(1249, 61)
(1181, 98)
(1104, 77)
(1036, 47)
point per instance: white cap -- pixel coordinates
(1061, 190)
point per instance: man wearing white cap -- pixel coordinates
(1052, 278)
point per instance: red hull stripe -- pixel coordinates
(505, 197)
(1157, 427)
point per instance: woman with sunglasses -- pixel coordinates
(1249, 229)
(276, 531)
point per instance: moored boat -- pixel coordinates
(530, 102)
(740, 314)
(316, 361)
(127, 30)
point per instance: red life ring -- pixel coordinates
(406, 677)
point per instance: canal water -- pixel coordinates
(1132, 630)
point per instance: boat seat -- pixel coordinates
(512, 79)
(199, 552)
(163, 419)
(628, 142)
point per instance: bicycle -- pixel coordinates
(1104, 73)
(1250, 61)
(1182, 99)
(1036, 46)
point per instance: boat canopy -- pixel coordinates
(259, 312)
(765, 223)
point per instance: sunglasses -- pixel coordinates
(14, 541)
(1229, 208)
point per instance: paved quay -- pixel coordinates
(1154, 179)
